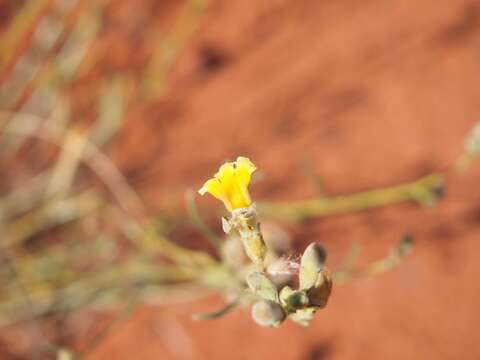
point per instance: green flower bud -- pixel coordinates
(267, 313)
(293, 299)
(298, 299)
(262, 286)
(311, 264)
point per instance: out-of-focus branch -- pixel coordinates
(377, 267)
(424, 191)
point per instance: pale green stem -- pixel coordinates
(424, 191)
(385, 264)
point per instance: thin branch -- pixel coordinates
(111, 176)
(383, 265)
(424, 191)
(219, 313)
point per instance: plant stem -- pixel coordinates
(103, 287)
(424, 191)
(128, 200)
(387, 263)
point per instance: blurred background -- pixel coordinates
(114, 107)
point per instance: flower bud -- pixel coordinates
(262, 286)
(293, 299)
(282, 271)
(312, 262)
(318, 295)
(267, 313)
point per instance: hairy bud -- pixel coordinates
(311, 264)
(267, 313)
(262, 286)
(318, 295)
(282, 271)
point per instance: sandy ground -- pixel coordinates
(373, 93)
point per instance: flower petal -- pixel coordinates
(244, 169)
(213, 187)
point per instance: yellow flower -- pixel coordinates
(230, 184)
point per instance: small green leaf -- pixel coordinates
(262, 286)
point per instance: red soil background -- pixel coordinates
(373, 93)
